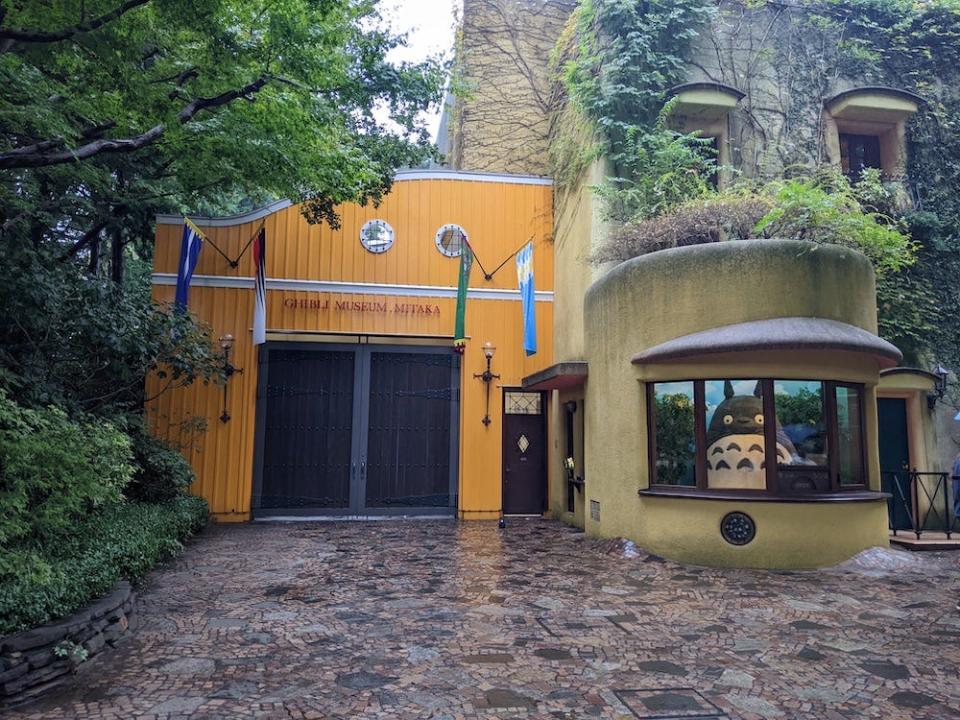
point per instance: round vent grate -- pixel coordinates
(738, 528)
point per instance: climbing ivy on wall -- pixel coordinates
(619, 57)
(628, 54)
(916, 46)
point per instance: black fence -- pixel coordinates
(920, 502)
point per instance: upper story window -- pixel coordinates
(703, 108)
(757, 434)
(866, 130)
(859, 153)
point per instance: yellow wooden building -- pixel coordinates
(357, 403)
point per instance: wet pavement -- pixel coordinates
(439, 619)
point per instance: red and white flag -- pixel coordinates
(260, 289)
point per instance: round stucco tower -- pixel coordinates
(731, 404)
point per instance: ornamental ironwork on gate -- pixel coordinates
(920, 502)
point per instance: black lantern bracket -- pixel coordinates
(229, 370)
(940, 385)
(487, 377)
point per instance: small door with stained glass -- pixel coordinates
(524, 453)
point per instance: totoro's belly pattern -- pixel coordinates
(738, 461)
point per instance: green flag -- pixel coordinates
(463, 284)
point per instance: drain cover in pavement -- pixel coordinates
(669, 704)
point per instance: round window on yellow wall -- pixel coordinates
(376, 236)
(451, 239)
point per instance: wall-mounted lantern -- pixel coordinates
(226, 344)
(487, 376)
(940, 385)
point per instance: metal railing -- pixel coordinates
(920, 502)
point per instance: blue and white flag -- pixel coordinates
(527, 298)
(260, 288)
(190, 249)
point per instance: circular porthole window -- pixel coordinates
(738, 528)
(451, 239)
(376, 236)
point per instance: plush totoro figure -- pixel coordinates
(735, 454)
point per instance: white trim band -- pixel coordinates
(331, 286)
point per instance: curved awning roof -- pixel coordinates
(790, 333)
(874, 103)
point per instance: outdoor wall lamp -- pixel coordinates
(487, 376)
(939, 386)
(226, 344)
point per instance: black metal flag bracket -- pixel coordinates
(235, 263)
(489, 275)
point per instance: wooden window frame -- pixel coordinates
(769, 435)
(834, 436)
(700, 458)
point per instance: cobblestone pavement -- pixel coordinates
(438, 619)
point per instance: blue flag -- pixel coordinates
(190, 249)
(527, 298)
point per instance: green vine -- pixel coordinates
(615, 61)
(618, 58)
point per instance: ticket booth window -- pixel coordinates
(780, 437)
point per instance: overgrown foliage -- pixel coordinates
(55, 471)
(828, 209)
(823, 208)
(657, 169)
(617, 59)
(86, 343)
(43, 580)
(628, 54)
(733, 216)
(621, 56)
(161, 472)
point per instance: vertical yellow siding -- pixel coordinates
(499, 218)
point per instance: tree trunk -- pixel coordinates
(93, 267)
(116, 259)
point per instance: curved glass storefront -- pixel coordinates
(757, 434)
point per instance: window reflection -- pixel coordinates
(849, 436)
(713, 434)
(675, 434)
(735, 442)
(801, 418)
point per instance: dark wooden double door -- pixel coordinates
(356, 430)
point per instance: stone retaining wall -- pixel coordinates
(29, 665)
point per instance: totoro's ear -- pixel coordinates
(758, 390)
(727, 389)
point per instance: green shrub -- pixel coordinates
(822, 207)
(43, 581)
(55, 471)
(658, 169)
(729, 216)
(161, 474)
(825, 208)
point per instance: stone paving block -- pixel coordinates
(438, 619)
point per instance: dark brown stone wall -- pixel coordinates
(29, 663)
